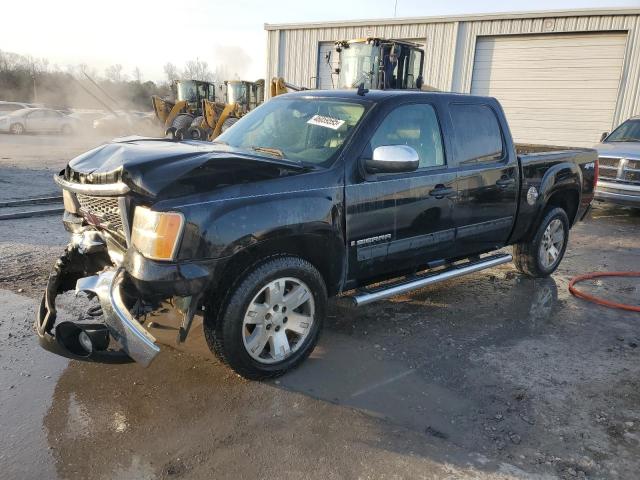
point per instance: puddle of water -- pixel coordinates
(345, 371)
(28, 375)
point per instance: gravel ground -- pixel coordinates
(492, 375)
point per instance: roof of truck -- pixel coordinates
(375, 95)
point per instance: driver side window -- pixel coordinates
(415, 125)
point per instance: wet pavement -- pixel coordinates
(492, 375)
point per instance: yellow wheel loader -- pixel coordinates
(186, 111)
(241, 97)
(371, 63)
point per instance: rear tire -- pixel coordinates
(541, 255)
(259, 331)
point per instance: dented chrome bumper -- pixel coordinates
(86, 266)
(124, 328)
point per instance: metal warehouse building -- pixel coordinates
(563, 77)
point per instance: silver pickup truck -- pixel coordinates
(619, 165)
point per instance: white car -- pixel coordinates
(38, 120)
(6, 107)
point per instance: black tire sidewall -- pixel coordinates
(230, 321)
(552, 214)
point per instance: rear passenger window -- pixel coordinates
(478, 136)
(414, 125)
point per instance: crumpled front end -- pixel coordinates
(102, 262)
(86, 267)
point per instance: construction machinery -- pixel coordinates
(371, 63)
(198, 115)
(187, 110)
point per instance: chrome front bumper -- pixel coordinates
(618, 193)
(124, 328)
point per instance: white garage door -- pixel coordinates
(555, 89)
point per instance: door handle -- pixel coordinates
(441, 191)
(505, 182)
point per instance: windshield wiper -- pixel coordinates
(276, 152)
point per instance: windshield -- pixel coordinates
(358, 64)
(237, 92)
(188, 91)
(299, 129)
(629, 131)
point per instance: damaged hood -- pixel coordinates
(164, 168)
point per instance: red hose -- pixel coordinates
(598, 300)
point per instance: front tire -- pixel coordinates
(540, 256)
(270, 321)
(180, 125)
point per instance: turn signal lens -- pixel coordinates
(156, 235)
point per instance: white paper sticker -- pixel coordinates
(328, 122)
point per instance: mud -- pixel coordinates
(492, 375)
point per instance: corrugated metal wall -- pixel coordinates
(450, 47)
(300, 62)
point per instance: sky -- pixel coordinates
(148, 34)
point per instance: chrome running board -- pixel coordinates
(363, 297)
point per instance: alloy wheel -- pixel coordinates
(278, 320)
(552, 243)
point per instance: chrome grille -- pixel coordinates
(632, 176)
(620, 169)
(608, 167)
(101, 211)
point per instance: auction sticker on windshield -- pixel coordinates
(328, 122)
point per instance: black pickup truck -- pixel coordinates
(314, 194)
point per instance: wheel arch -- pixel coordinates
(323, 250)
(560, 187)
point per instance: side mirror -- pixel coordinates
(603, 136)
(393, 159)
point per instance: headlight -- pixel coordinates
(156, 234)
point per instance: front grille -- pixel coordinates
(608, 167)
(619, 169)
(608, 162)
(631, 176)
(101, 211)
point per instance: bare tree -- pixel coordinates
(114, 73)
(171, 72)
(137, 75)
(197, 70)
